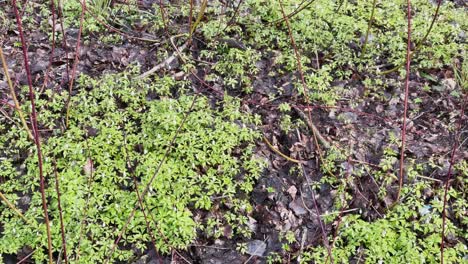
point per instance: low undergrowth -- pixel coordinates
(121, 128)
(409, 233)
(115, 143)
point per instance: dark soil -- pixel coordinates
(358, 123)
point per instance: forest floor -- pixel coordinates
(348, 167)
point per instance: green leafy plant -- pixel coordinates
(394, 239)
(273, 257)
(409, 233)
(117, 137)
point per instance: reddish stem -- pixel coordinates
(35, 129)
(403, 132)
(51, 56)
(340, 216)
(26, 257)
(75, 63)
(449, 175)
(163, 15)
(326, 243)
(5, 102)
(59, 205)
(301, 73)
(304, 87)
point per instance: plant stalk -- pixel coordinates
(369, 25)
(420, 43)
(13, 96)
(403, 131)
(36, 134)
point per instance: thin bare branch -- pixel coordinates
(75, 63)
(403, 130)
(421, 42)
(37, 139)
(449, 175)
(59, 205)
(13, 96)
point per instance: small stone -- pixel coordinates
(297, 208)
(292, 191)
(219, 242)
(379, 109)
(449, 84)
(252, 224)
(348, 117)
(256, 248)
(425, 210)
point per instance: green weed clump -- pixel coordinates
(337, 30)
(330, 38)
(99, 16)
(409, 234)
(117, 138)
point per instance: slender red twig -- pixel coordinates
(12, 106)
(304, 87)
(301, 73)
(51, 56)
(326, 243)
(59, 205)
(35, 129)
(449, 175)
(163, 15)
(64, 42)
(421, 42)
(344, 206)
(75, 63)
(26, 257)
(403, 131)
